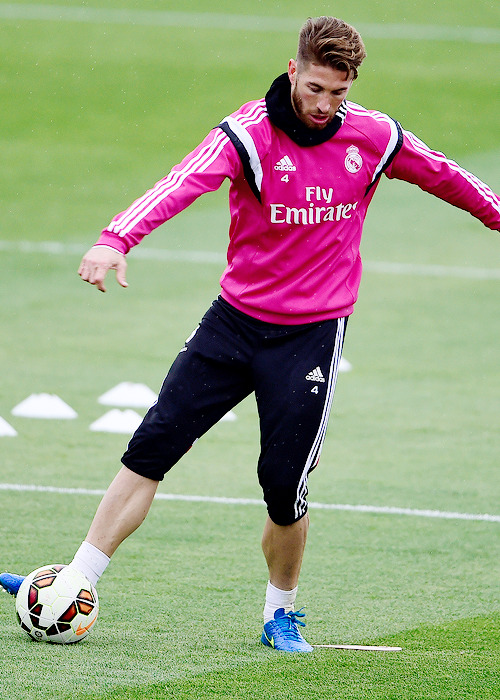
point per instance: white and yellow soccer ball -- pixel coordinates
(56, 603)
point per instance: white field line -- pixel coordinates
(205, 257)
(378, 510)
(234, 22)
(356, 647)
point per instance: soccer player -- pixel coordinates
(303, 165)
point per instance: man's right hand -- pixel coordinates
(96, 264)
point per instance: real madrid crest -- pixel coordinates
(353, 161)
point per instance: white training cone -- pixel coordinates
(6, 430)
(116, 421)
(229, 417)
(128, 394)
(345, 365)
(44, 406)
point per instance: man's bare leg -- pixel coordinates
(283, 547)
(122, 509)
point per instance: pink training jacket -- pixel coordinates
(297, 211)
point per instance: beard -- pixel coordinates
(298, 107)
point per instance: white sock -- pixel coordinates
(90, 561)
(276, 598)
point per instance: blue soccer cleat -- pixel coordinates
(11, 582)
(283, 634)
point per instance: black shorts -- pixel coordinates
(291, 369)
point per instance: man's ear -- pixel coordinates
(292, 70)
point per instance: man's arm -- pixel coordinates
(201, 171)
(435, 173)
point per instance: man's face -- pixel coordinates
(317, 92)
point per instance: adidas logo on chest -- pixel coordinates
(285, 164)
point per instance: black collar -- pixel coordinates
(281, 113)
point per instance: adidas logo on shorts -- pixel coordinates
(285, 164)
(315, 376)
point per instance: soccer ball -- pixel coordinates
(57, 604)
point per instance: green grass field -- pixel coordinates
(96, 108)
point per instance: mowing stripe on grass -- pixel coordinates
(379, 510)
(205, 257)
(233, 22)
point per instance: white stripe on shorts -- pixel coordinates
(300, 505)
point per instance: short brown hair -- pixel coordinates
(332, 42)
